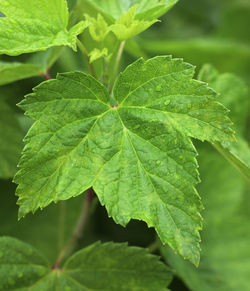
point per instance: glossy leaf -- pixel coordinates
(10, 141)
(137, 155)
(34, 26)
(108, 266)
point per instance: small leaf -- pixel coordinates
(96, 54)
(98, 28)
(107, 267)
(34, 26)
(10, 142)
(127, 26)
(137, 155)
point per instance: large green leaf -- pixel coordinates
(108, 266)
(146, 9)
(137, 155)
(235, 95)
(10, 141)
(30, 26)
(224, 264)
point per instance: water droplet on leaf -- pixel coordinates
(167, 102)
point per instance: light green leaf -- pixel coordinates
(147, 10)
(107, 267)
(98, 28)
(225, 264)
(137, 155)
(235, 95)
(127, 26)
(96, 54)
(10, 142)
(34, 26)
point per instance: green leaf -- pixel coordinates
(137, 155)
(10, 142)
(96, 54)
(127, 26)
(108, 266)
(35, 65)
(225, 264)
(235, 95)
(21, 266)
(34, 26)
(10, 72)
(147, 10)
(98, 28)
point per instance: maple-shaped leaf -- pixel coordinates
(10, 141)
(29, 26)
(107, 267)
(137, 154)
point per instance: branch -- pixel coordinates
(79, 228)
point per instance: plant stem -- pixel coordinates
(153, 247)
(79, 228)
(46, 75)
(117, 64)
(61, 229)
(86, 55)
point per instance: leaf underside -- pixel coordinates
(30, 26)
(138, 155)
(108, 267)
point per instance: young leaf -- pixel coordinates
(108, 266)
(225, 243)
(137, 155)
(147, 10)
(10, 142)
(98, 28)
(34, 26)
(127, 26)
(235, 95)
(96, 54)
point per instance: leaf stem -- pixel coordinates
(153, 247)
(79, 228)
(86, 55)
(117, 64)
(46, 75)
